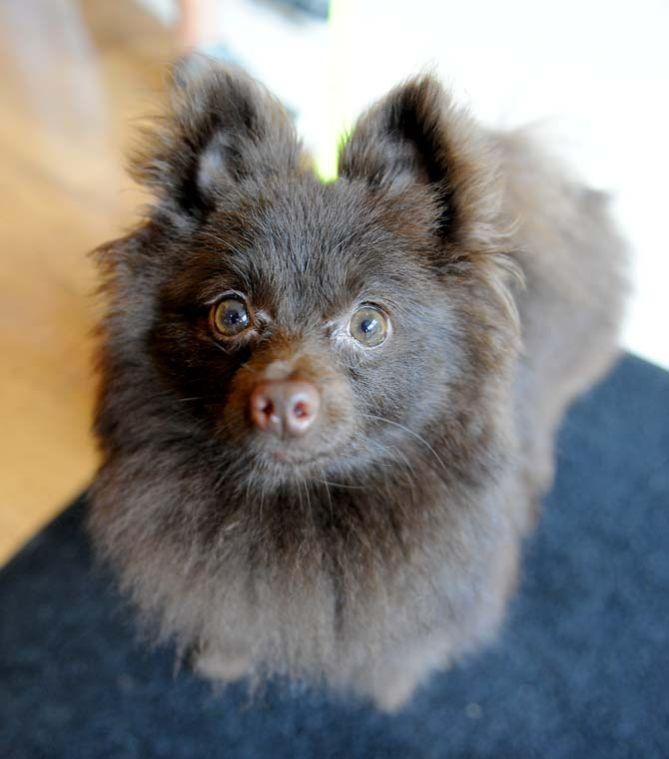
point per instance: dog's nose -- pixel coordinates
(284, 407)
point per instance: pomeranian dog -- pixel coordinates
(327, 410)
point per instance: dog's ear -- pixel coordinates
(221, 130)
(416, 136)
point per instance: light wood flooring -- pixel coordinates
(73, 78)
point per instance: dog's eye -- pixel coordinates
(369, 326)
(230, 316)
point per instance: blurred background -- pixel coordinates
(76, 75)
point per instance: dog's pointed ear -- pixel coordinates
(221, 129)
(415, 135)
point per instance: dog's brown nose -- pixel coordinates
(284, 407)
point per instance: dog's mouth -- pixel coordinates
(301, 462)
(283, 463)
(284, 458)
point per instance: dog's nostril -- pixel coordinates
(284, 407)
(301, 410)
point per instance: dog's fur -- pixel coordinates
(395, 550)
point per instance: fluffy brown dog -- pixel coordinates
(327, 411)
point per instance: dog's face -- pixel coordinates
(308, 340)
(308, 332)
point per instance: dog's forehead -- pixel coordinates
(312, 218)
(318, 247)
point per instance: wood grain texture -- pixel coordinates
(74, 78)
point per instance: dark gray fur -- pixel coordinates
(395, 553)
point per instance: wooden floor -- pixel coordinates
(73, 78)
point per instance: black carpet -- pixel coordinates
(582, 669)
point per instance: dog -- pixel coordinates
(327, 410)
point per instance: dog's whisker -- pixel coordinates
(409, 431)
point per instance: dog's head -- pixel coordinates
(300, 330)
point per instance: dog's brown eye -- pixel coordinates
(230, 317)
(369, 326)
